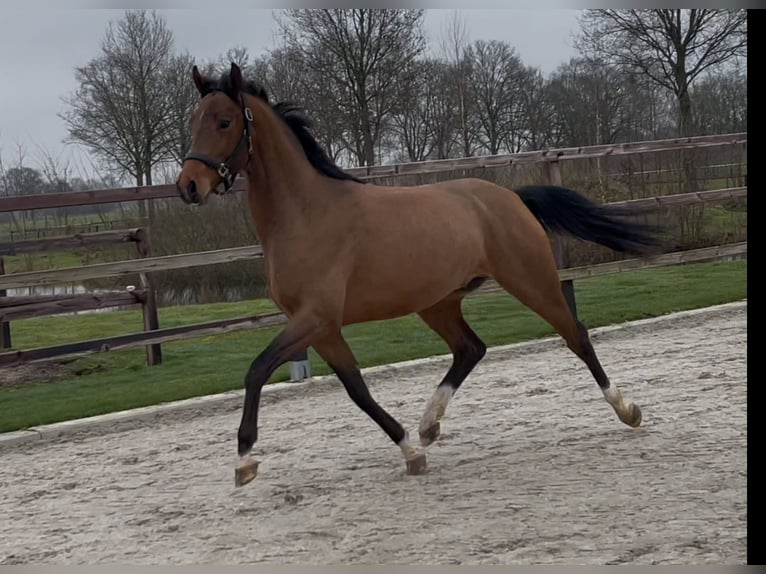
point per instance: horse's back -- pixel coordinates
(501, 211)
(415, 245)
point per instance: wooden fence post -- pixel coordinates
(5, 327)
(552, 176)
(149, 301)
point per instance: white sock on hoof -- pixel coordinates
(408, 450)
(436, 407)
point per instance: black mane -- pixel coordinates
(294, 117)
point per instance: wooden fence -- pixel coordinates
(25, 307)
(15, 308)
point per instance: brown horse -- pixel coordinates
(339, 251)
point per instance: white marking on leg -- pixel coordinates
(246, 459)
(436, 407)
(627, 412)
(613, 396)
(408, 450)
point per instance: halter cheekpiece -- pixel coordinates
(224, 168)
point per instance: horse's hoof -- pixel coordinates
(417, 464)
(245, 472)
(430, 434)
(633, 418)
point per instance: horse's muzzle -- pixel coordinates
(189, 193)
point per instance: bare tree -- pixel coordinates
(289, 76)
(454, 46)
(125, 109)
(651, 109)
(17, 178)
(671, 47)
(240, 55)
(415, 121)
(183, 97)
(57, 173)
(589, 102)
(364, 52)
(443, 101)
(497, 78)
(720, 103)
(537, 111)
(56, 170)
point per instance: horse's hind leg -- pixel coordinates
(540, 289)
(446, 319)
(627, 412)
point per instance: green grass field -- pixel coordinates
(119, 380)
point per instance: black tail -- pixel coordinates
(559, 209)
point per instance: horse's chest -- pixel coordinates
(299, 271)
(287, 279)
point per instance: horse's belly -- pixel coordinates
(385, 295)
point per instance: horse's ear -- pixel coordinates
(236, 83)
(198, 81)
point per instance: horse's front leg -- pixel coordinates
(292, 339)
(333, 348)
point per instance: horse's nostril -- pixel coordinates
(192, 191)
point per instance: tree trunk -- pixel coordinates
(149, 203)
(464, 130)
(141, 204)
(369, 146)
(686, 129)
(685, 118)
(368, 143)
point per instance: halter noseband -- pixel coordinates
(223, 169)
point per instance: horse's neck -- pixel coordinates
(280, 178)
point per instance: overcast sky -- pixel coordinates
(39, 50)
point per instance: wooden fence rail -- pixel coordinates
(16, 308)
(131, 194)
(679, 199)
(128, 267)
(155, 337)
(76, 241)
(531, 157)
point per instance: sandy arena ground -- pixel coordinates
(533, 468)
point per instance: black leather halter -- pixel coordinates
(224, 168)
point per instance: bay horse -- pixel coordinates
(339, 251)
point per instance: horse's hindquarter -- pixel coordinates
(413, 246)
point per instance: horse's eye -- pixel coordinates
(224, 124)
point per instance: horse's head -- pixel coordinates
(221, 141)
